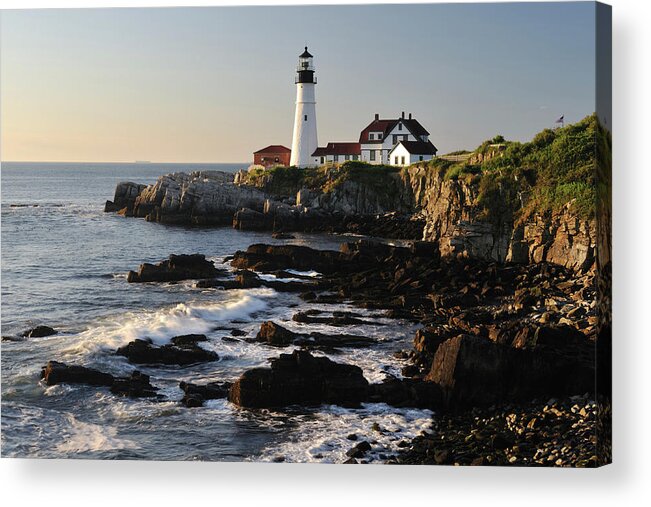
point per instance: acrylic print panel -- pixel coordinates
(314, 248)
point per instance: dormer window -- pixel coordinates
(379, 136)
(371, 137)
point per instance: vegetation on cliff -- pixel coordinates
(282, 181)
(554, 168)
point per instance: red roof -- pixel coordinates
(386, 126)
(338, 149)
(274, 148)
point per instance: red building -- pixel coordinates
(272, 155)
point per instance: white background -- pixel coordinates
(626, 482)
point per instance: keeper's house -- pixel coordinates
(382, 136)
(275, 154)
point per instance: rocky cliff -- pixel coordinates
(517, 202)
(200, 197)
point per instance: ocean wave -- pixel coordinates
(161, 325)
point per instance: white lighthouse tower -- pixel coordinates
(304, 140)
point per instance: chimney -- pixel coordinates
(410, 116)
(403, 115)
(377, 116)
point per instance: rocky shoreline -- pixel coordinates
(415, 203)
(494, 337)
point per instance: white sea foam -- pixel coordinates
(163, 324)
(83, 437)
(313, 274)
(321, 437)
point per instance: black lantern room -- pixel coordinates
(305, 69)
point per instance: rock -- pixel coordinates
(136, 386)
(39, 332)
(57, 373)
(183, 352)
(275, 334)
(406, 393)
(282, 235)
(279, 336)
(268, 258)
(359, 450)
(111, 207)
(250, 220)
(200, 197)
(474, 371)
(442, 457)
(335, 320)
(195, 395)
(126, 193)
(300, 378)
(177, 267)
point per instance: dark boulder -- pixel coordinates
(39, 332)
(275, 334)
(279, 336)
(135, 386)
(266, 258)
(177, 267)
(182, 351)
(195, 395)
(300, 378)
(56, 373)
(475, 371)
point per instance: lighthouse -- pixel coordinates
(304, 140)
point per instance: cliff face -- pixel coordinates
(455, 218)
(200, 197)
(451, 211)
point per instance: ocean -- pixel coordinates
(64, 264)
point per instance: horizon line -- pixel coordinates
(107, 162)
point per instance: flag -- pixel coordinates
(561, 119)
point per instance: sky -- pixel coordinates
(216, 84)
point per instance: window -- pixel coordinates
(402, 160)
(372, 154)
(379, 136)
(399, 126)
(347, 157)
(355, 157)
(305, 117)
(395, 139)
(420, 157)
(336, 158)
(405, 138)
(322, 160)
(395, 161)
(371, 137)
